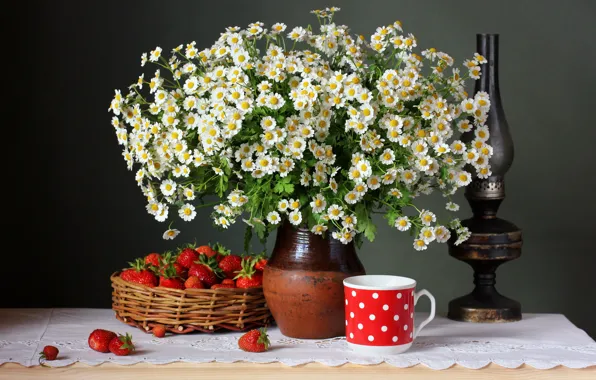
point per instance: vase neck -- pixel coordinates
(487, 45)
(298, 248)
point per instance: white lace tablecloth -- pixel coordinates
(539, 340)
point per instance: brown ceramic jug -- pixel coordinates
(303, 282)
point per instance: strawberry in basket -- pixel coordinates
(139, 274)
(249, 277)
(206, 270)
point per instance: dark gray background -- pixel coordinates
(79, 214)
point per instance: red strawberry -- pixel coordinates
(167, 261)
(48, 353)
(173, 283)
(159, 331)
(99, 340)
(225, 286)
(121, 345)
(260, 264)
(206, 270)
(193, 282)
(187, 257)
(170, 279)
(254, 341)
(205, 250)
(231, 265)
(228, 281)
(138, 274)
(248, 276)
(152, 259)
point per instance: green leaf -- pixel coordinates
(370, 231)
(259, 228)
(247, 238)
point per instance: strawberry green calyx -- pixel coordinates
(169, 272)
(219, 248)
(127, 342)
(248, 268)
(212, 263)
(264, 338)
(138, 265)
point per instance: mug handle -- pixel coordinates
(417, 295)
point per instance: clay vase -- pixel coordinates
(303, 283)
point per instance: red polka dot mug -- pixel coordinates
(380, 313)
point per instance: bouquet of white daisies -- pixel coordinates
(319, 129)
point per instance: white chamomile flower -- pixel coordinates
(170, 234)
(223, 222)
(458, 147)
(187, 212)
(218, 171)
(387, 157)
(471, 156)
(484, 172)
(464, 126)
(403, 223)
(463, 178)
(294, 204)
(409, 176)
(333, 185)
(278, 28)
(283, 205)
(155, 54)
(468, 106)
(463, 233)
(349, 221)
(451, 206)
(318, 229)
(351, 197)
(273, 217)
(295, 217)
(335, 212)
(420, 245)
(305, 179)
(168, 187)
(442, 234)
(427, 217)
(318, 204)
(189, 193)
(162, 214)
(394, 192)
(347, 235)
(427, 234)
(441, 149)
(482, 133)
(419, 147)
(373, 182)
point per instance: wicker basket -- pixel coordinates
(183, 311)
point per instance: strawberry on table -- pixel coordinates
(254, 341)
(48, 353)
(99, 340)
(159, 331)
(249, 277)
(193, 282)
(121, 345)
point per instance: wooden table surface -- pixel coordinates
(247, 371)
